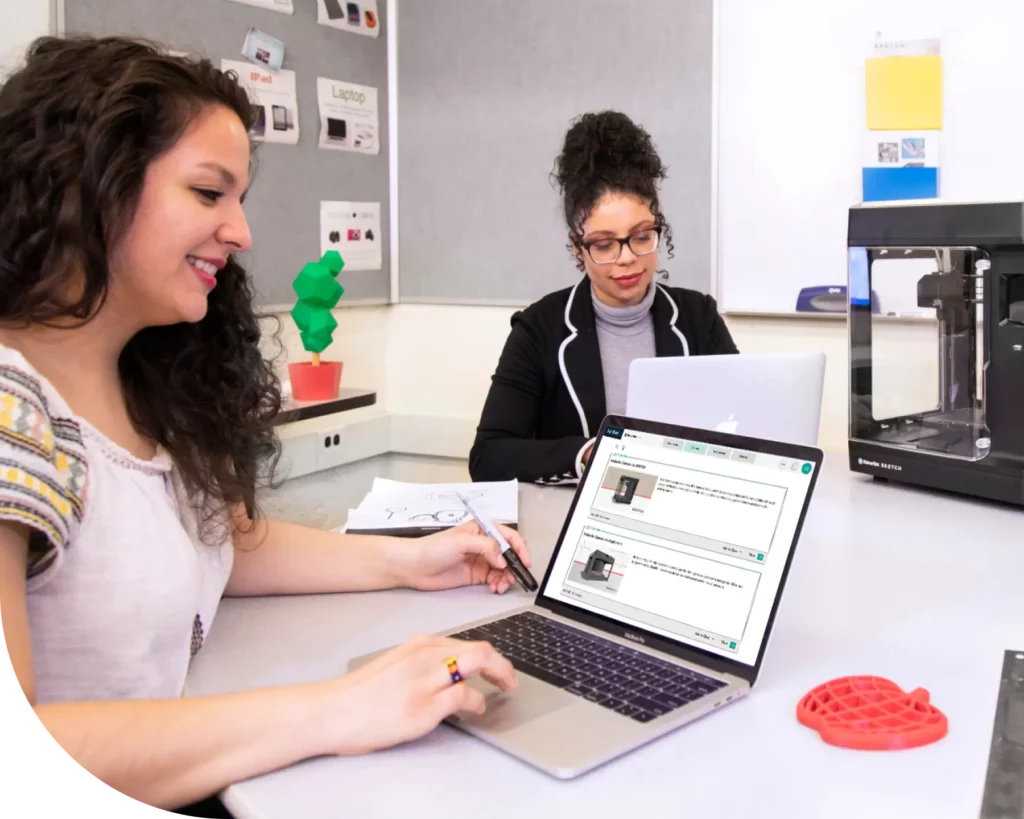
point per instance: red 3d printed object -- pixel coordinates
(871, 714)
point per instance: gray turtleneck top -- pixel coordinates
(623, 334)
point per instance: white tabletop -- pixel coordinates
(921, 588)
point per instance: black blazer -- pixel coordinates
(547, 394)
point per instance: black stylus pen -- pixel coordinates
(526, 580)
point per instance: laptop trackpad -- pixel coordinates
(506, 712)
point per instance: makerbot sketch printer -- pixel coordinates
(625, 489)
(598, 567)
(955, 420)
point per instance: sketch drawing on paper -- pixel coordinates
(443, 516)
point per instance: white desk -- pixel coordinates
(921, 588)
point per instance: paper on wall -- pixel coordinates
(901, 149)
(924, 47)
(283, 6)
(348, 116)
(903, 93)
(273, 94)
(353, 229)
(359, 18)
(263, 49)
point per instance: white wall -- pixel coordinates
(440, 360)
(437, 361)
(22, 22)
(431, 365)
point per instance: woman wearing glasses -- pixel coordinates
(566, 362)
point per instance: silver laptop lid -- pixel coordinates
(681, 539)
(774, 395)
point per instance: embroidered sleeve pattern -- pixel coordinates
(43, 466)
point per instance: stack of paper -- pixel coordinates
(411, 509)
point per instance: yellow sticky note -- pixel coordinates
(904, 93)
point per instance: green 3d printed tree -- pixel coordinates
(318, 292)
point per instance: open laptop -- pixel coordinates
(654, 612)
(776, 396)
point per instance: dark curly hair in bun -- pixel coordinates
(607, 152)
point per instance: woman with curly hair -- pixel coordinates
(135, 428)
(566, 362)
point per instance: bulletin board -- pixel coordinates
(283, 203)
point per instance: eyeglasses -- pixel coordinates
(608, 251)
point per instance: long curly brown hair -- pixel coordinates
(80, 123)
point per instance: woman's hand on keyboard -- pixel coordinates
(406, 692)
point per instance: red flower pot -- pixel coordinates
(311, 383)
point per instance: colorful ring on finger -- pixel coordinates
(453, 670)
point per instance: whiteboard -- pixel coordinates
(791, 128)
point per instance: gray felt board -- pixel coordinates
(486, 91)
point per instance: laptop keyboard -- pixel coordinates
(618, 678)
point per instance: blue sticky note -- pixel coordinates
(886, 184)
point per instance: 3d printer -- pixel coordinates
(598, 567)
(955, 421)
(625, 489)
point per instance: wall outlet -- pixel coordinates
(353, 442)
(324, 443)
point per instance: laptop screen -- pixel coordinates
(683, 538)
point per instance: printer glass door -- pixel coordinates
(916, 364)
